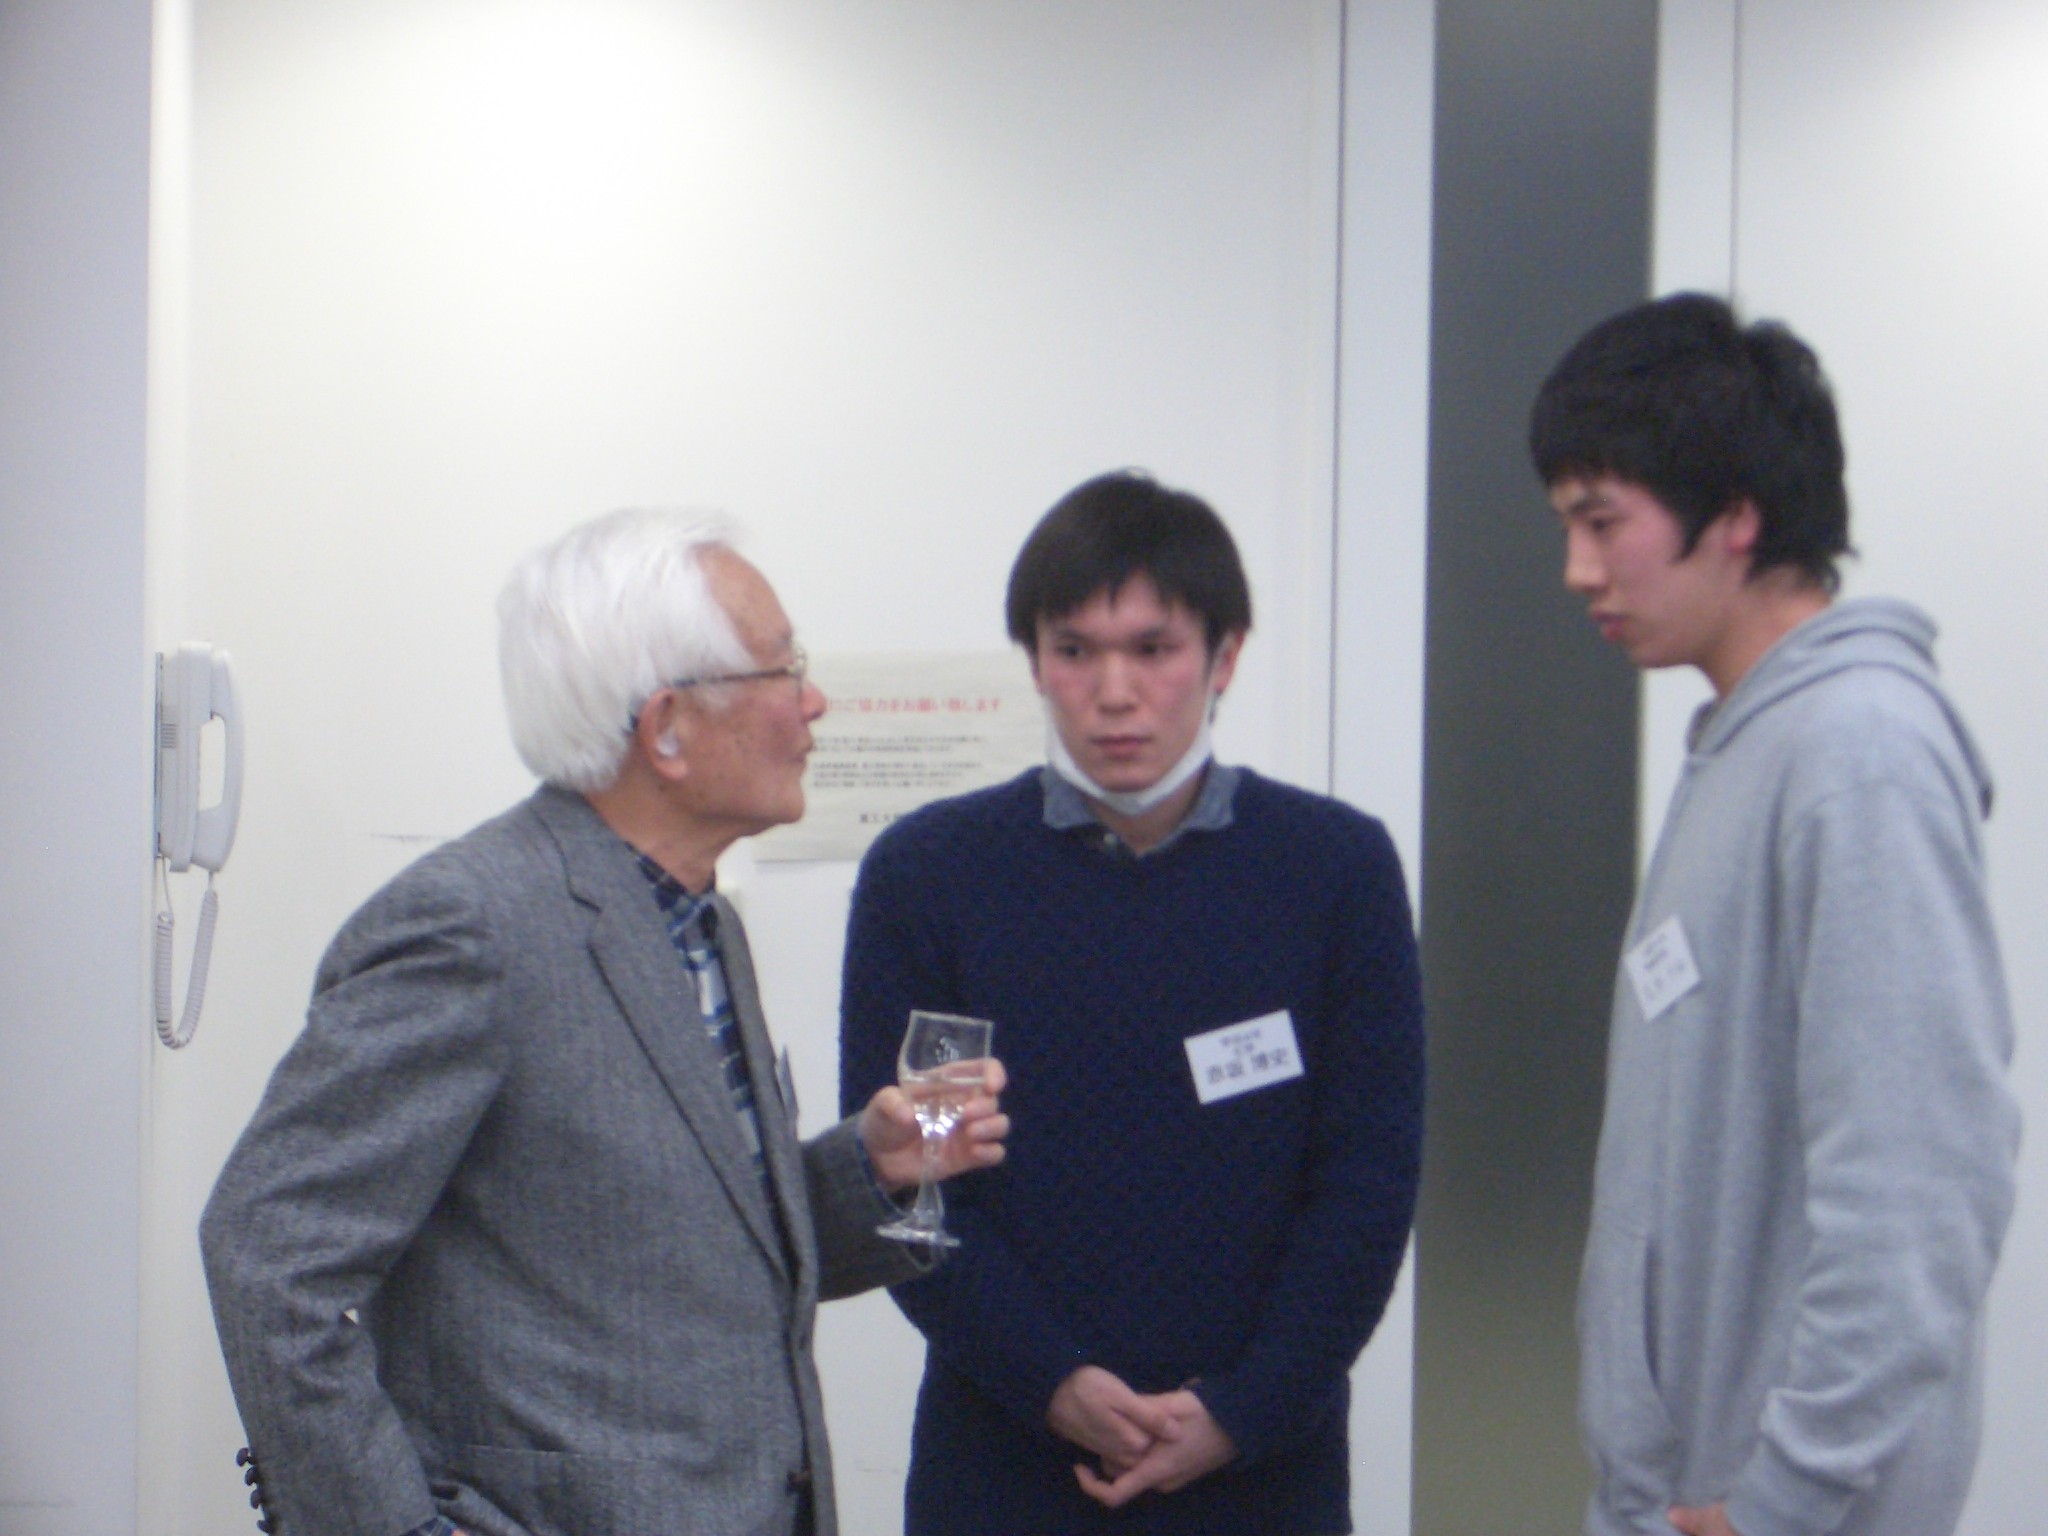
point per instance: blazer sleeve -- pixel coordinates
(847, 1206)
(354, 1141)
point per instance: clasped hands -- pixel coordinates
(895, 1146)
(1161, 1441)
(1702, 1520)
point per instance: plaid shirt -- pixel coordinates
(693, 929)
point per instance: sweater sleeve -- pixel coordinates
(982, 1314)
(1359, 1186)
(1908, 1138)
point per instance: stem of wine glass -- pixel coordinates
(929, 1213)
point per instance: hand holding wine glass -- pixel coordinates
(895, 1145)
(943, 1067)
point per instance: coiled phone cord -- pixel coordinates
(202, 952)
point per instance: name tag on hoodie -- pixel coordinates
(1661, 968)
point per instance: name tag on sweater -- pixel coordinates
(1661, 968)
(1240, 1057)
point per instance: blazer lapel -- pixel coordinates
(632, 949)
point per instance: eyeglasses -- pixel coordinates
(797, 668)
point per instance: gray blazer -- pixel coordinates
(492, 1243)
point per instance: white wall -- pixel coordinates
(1871, 171)
(75, 761)
(883, 278)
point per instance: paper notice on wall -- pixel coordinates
(901, 730)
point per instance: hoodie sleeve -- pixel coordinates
(1908, 1132)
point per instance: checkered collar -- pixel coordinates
(1067, 809)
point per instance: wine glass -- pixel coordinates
(942, 1066)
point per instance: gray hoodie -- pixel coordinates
(1806, 1164)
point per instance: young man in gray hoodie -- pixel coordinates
(1806, 1163)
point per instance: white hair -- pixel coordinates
(592, 624)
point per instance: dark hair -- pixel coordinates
(1679, 397)
(1124, 524)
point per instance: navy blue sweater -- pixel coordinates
(1248, 1245)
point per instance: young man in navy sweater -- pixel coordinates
(1205, 988)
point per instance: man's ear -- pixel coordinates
(661, 734)
(1223, 661)
(1745, 526)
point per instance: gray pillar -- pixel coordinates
(1543, 163)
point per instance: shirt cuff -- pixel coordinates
(887, 1201)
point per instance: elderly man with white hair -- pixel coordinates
(521, 1239)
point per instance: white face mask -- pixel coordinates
(1132, 802)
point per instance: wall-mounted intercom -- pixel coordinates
(193, 687)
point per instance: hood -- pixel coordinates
(1862, 632)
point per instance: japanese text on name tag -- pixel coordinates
(1240, 1057)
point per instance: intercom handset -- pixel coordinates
(193, 686)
